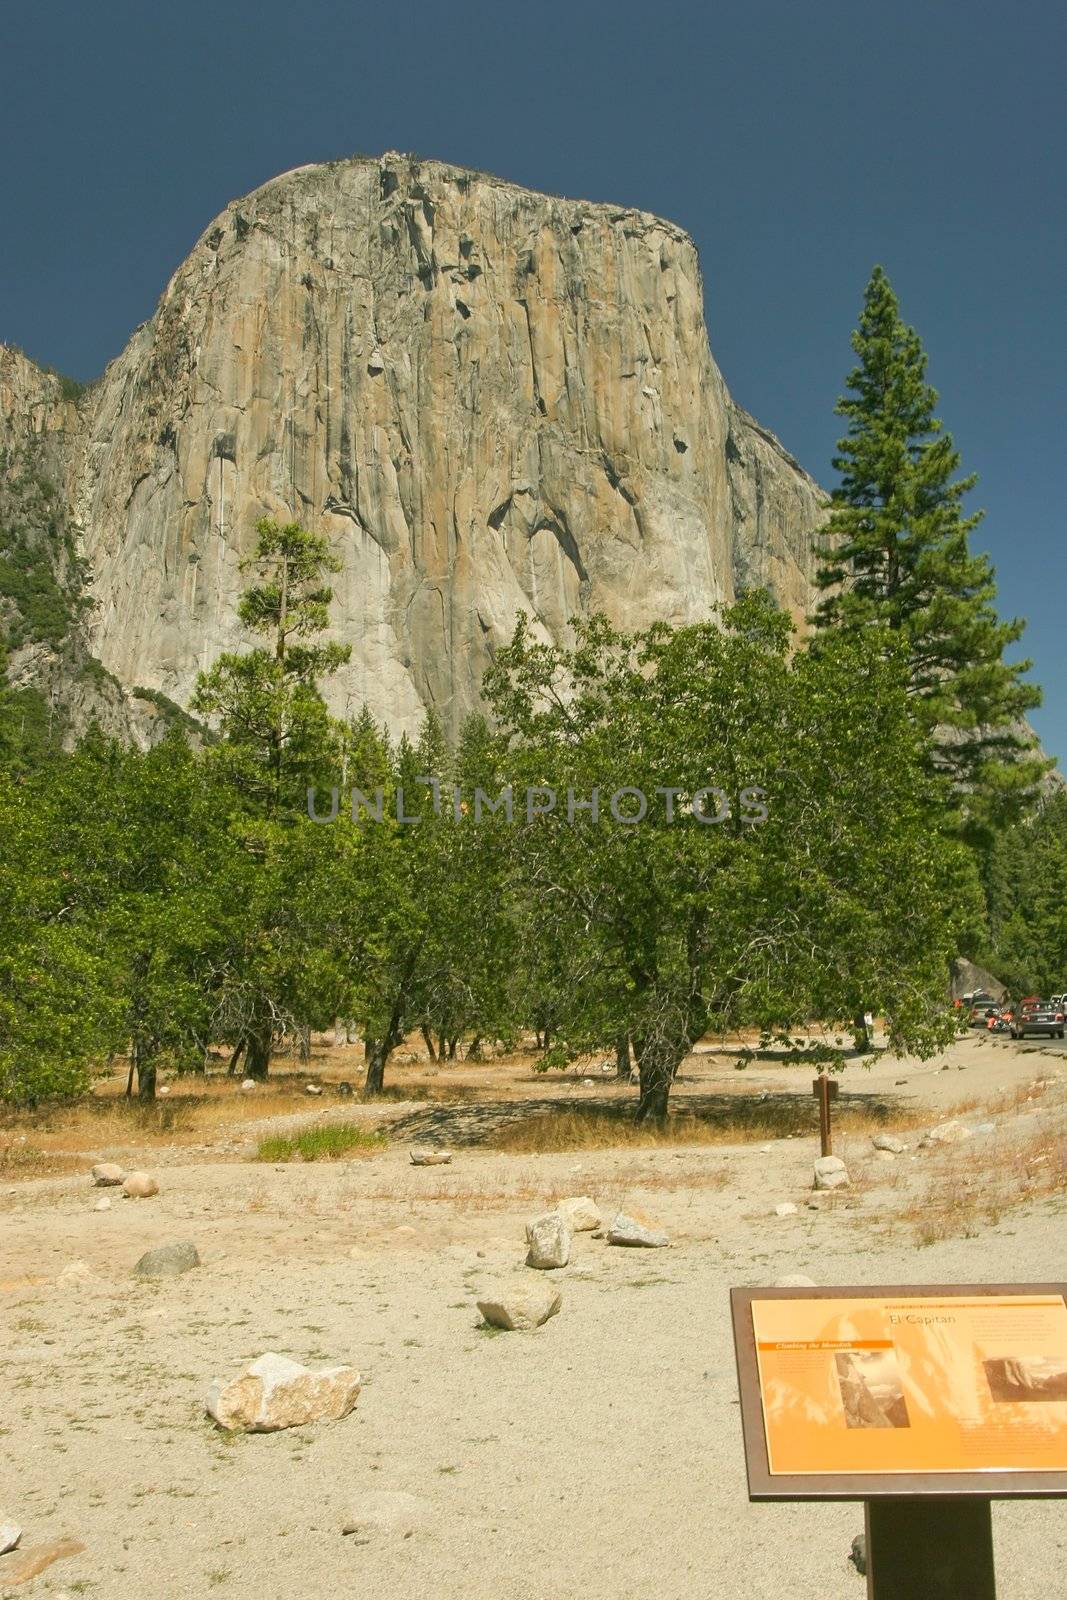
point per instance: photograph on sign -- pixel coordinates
(872, 1385)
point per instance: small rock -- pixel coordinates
(10, 1534)
(388, 1511)
(248, 1085)
(164, 1088)
(580, 1214)
(344, 1089)
(794, 1280)
(169, 1261)
(830, 1173)
(766, 1149)
(273, 1392)
(890, 1142)
(626, 1230)
(74, 1274)
(951, 1132)
(548, 1239)
(786, 1209)
(520, 1307)
(106, 1174)
(375, 362)
(421, 1157)
(884, 1155)
(588, 1083)
(140, 1186)
(985, 1127)
(312, 1088)
(103, 1204)
(858, 1557)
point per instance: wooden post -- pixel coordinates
(941, 1549)
(823, 1089)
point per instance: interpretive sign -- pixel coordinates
(859, 1393)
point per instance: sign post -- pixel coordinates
(824, 1089)
(925, 1402)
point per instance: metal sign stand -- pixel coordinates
(940, 1549)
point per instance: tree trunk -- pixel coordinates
(861, 1032)
(453, 1045)
(304, 1037)
(146, 1082)
(258, 1047)
(378, 1053)
(656, 1066)
(475, 1051)
(129, 1078)
(442, 1045)
(622, 1056)
(428, 1038)
(237, 1054)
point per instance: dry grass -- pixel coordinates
(962, 1199)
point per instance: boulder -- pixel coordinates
(387, 1512)
(274, 1392)
(169, 1261)
(106, 1175)
(139, 1186)
(633, 1231)
(422, 1157)
(951, 1132)
(521, 1306)
(794, 1280)
(858, 1554)
(248, 1086)
(831, 1173)
(10, 1534)
(890, 1142)
(548, 1240)
(580, 1214)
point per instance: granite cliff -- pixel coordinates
(491, 400)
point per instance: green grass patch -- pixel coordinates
(331, 1143)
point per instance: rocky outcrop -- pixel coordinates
(493, 401)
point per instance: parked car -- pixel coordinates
(1047, 1019)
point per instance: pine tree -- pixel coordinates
(895, 552)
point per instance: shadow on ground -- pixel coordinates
(757, 1116)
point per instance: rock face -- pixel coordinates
(519, 1307)
(491, 400)
(273, 1392)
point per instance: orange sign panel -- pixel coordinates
(958, 1384)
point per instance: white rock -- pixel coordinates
(786, 1209)
(75, 1274)
(106, 1174)
(580, 1214)
(830, 1173)
(951, 1132)
(163, 1089)
(139, 1186)
(548, 1239)
(103, 1204)
(274, 1392)
(248, 1085)
(794, 1280)
(884, 1156)
(312, 1088)
(890, 1142)
(520, 1306)
(633, 1231)
(421, 1157)
(10, 1534)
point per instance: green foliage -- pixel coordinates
(844, 896)
(277, 736)
(329, 1143)
(41, 578)
(1026, 945)
(896, 555)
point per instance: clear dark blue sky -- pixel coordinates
(798, 144)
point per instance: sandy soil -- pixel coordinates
(599, 1458)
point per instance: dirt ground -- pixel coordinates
(600, 1457)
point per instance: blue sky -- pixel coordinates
(797, 144)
